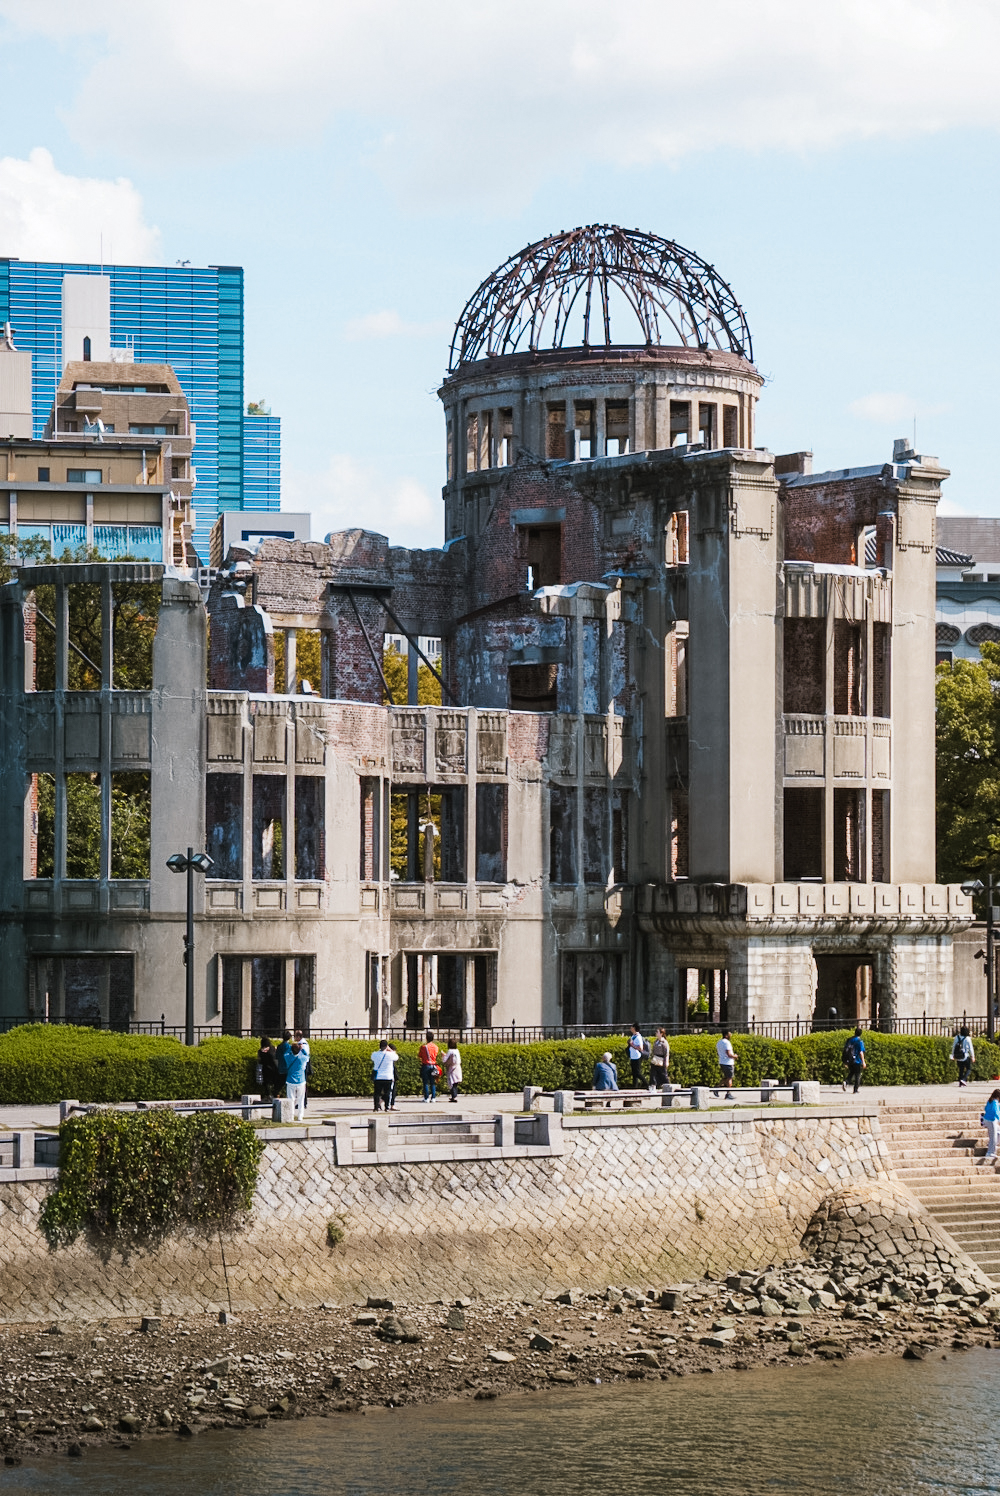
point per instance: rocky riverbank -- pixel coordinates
(71, 1386)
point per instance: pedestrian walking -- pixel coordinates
(638, 1049)
(605, 1073)
(991, 1121)
(429, 1071)
(295, 1081)
(395, 1076)
(964, 1055)
(268, 1074)
(853, 1056)
(384, 1064)
(659, 1060)
(453, 1069)
(727, 1062)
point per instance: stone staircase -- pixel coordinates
(934, 1147)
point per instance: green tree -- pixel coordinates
(968, 767)
(394, 669)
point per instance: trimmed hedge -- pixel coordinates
(49, 1062)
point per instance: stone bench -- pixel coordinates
(699, 1098)
(383, 1139)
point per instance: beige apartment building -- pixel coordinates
(685, 738)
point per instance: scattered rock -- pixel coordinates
(501, 1357)
(570, 1296)
(398, 1329)
(364, 1364)
(256, 1411)
(221, 1368)
(147, 1325)
(75, 1451)
(366, 1319)
(455, 1319)
(915, 1353)
(130, 1423)
(186, 1430)
(381, 1304)
(463, 1303)
(541, 1343)
(93, 1424)
(562, 1376)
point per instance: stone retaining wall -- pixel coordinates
(633, 1200)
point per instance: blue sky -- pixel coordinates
(369, 164)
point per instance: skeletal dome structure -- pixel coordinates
(589, 345)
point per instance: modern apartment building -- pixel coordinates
(188, 317)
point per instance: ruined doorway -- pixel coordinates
(93, 990)
(445, 989)
(846, 984)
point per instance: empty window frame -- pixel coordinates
(680, 423)
(555, 433)
(310, 827)
(505, 437)
(596, 830)
(677, 553)
(97, 990)
(880, 836)
(804, 655)
(533, 688)
(450, 470)
(471, 442)
(583, 420)
(540, 547)
(803, 835)
(131, 807)
(619, 836)
(881, 674)
(42, 850)
(730, 426)
(848, 669)
(304, 997)
(428, 824)
(848, 836)
(491, 833)
(371, 804)
(224, 824)
(675, 662)
(268, 826)
(562, 833)
(485, 439)
(708, 424)
(680, 840)
(616, 427)
(135, 611)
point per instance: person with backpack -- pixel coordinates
(295, 1081)
(268, 1074)
(429, 1071)
(284, 1055)
(853, 1056)
(638, 1050)
(453, 1069)
(384, 1065)
(964, 1055)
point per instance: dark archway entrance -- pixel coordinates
(846, 984)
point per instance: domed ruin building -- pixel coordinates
(685, 739)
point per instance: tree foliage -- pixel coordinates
(968, 767)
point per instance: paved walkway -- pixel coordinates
(968, 1099)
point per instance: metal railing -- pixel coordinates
(517, 1033)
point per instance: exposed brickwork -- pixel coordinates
(527, 737)
(822, 520)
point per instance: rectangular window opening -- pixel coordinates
(267, 995)
(305, 991)
(881, 673)
(224, 824)
(619, 836)
(707, 424)
(803, 835)
(310, 827)
(42, 857)
(680, 423)
(848, 836)
(583, 416)
(131, 807)
(371, 801)
(268, 826)
(491, 833)
(848, 669)
(471, 442)
(555, 440)
(677, 539)
(562, 833)
(533, 688)
(596, 867)
(880, 836)
(83, 662)
(425, 819)
(83, 825)
(135, 613)
(679, 835)
(676, 653)
(505, 437)
(730, 426)
(83, 475)
(540, 547)
(804, 653)
(616, 427)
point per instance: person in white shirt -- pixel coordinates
(453, 1069)
(636, 1049)
(727, 1062)
(384, 1063)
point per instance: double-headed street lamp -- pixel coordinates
(201, 862)
(973, 886)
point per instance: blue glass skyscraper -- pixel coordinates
(188, 317)
(261, 462)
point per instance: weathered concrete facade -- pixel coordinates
(686, 735)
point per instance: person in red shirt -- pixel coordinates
(429, 1071)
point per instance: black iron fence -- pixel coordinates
(517, 1033)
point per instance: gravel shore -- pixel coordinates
(67, 1387)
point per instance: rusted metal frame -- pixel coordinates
(371, 647)
(411, 640)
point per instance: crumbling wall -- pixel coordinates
(823, 520)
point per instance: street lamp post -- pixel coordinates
(973, 886)
(178, 863)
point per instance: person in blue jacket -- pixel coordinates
(854, 1059)
(605, 1073)
(991, 1120)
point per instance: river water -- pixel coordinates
(871, 1427)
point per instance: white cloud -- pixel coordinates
(350, 494)
(888, 407)
(389, 324)
(480, 101)
(47, 215)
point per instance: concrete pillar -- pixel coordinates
(412, 676)
(291, 662)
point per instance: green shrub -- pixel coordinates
(46, 1063)
(134, 1176)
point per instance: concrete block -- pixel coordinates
(806, 1093)
(503, 1125)
(281, 1109)
(563, 1101)
(66, 1108)
(701, 1098)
